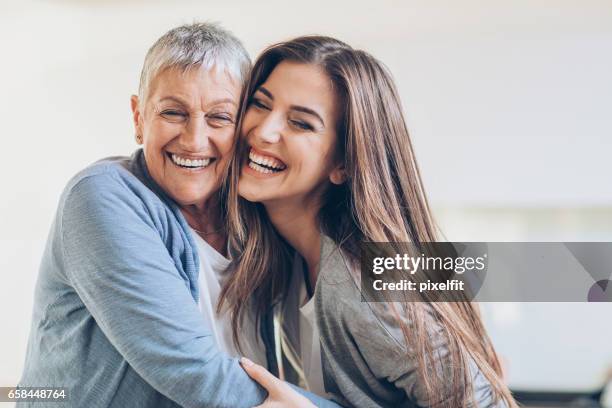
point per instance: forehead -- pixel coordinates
(195, 83)
(301, 84)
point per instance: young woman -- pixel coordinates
(324, 162)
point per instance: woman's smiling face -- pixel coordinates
(290, 130)
(187, 125)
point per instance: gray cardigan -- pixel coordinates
(362, 349)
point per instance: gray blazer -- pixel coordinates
(362, 348)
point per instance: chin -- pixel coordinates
(251, 199)
(247, 196)
(185, 198)
(250, 196)
(246, 191)
(258, 196)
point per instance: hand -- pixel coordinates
(280, 394)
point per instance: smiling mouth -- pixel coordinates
(190, 163)
(265, 164)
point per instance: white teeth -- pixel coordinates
(266, 161)
(259, 168)
(194, 164)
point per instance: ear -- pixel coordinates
(338, 175)
(136, 117)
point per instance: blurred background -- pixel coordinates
(509, 104)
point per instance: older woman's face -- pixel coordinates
(187, 125)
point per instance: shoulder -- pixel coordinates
(108, 210)
(109, 174)
(107, 182)
(341, 306)
(109, 198)
(340, 301)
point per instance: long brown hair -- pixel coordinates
(382, 200)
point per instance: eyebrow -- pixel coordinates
(182, 102)
(172, 98)
(298, 108)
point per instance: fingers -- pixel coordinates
(280, 395)
(261, 375)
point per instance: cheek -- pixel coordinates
(160, 133)
(249, 121)
(309, 174)
(312, 160)
(224, 140)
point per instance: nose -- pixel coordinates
(196, 135)
(269, 130)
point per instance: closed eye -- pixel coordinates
(258, 103)
(174, 115)
(224, 118)
(301, 125)
(219, 120)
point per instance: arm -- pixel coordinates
(381, 343)
(125, 276)
(281, 393)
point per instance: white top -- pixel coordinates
(211, 276)
(310, 346)
(301, 340)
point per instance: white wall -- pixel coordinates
(544, 346)
(508, 102)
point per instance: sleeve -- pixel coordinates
(125, 276)
(319, 402)
(381, 343)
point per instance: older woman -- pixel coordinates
(125, 299)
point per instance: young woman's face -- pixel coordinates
(290, 130)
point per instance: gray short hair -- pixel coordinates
(205, 45)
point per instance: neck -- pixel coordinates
(299, 225)
(205, 218)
